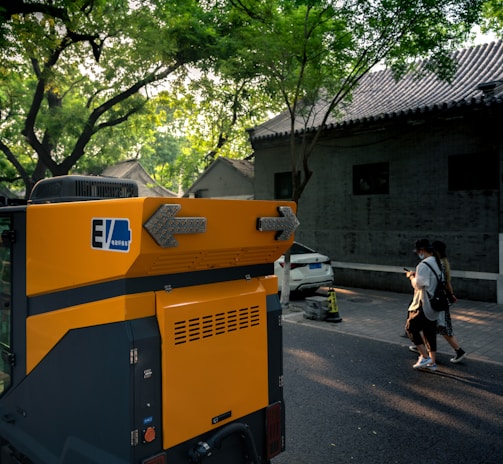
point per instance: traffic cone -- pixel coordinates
(333, 310)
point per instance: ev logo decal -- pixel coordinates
(111, 234)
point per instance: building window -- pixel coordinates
(476, 171)
(283, 186)
(371, 179)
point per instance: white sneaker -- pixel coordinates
(421, 362)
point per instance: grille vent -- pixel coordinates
(110, 189)
(212, 325)
(79, 188)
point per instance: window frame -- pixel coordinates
(283, 183)
(473, 171)
(371, 178)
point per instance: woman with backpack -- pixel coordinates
(445, 328)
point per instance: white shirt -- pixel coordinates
(424, 284)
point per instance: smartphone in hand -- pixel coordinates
(409, 273)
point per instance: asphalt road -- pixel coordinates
(354, 400)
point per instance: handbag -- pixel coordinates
(440, 299)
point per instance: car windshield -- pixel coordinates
(298, 249)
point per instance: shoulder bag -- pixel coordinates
(440, 300)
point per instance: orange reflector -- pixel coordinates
(157, 459)
(274, 437)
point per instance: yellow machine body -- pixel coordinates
(57, 260)
(43, 331)
(145, 325)
(215, 341)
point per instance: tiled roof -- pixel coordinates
(243, 166)
(132, 169)
(244, 169)
(379, 96)
(121, 170)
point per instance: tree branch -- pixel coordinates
(91, 126)
(14, 161)
(9, 8)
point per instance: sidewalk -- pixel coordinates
(381, 315)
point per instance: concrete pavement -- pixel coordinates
(380, 315)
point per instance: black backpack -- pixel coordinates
(440, 299)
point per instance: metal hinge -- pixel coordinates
(280, 321)
(133, 355)
(8, 357)
(281, 382)
(134, 437)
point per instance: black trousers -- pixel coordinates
(416, 323)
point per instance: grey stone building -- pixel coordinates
(224, 178)
(132, 169)
(404, 160)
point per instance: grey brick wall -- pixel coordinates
(380, 230)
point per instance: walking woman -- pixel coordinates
(445, 329)
(422, 319)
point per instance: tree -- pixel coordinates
(493, 17)
(317, 51)
(216, 111)
(161, 150)
(73, 72)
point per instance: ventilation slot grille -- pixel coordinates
(212, 325)
(112, 189)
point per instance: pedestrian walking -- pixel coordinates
(445, 327)
(422, 319)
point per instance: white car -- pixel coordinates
(308, 270)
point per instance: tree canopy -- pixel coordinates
(318, 50)
(84, 83)
(312, 51)
(74, 72)
(493, 17)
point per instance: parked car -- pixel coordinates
(309, 270)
